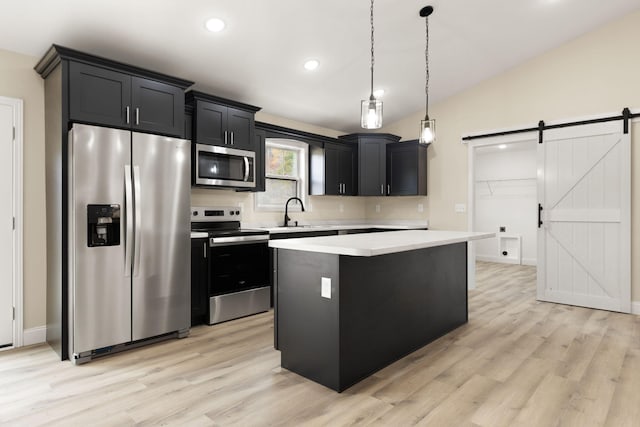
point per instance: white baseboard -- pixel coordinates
(498, 259)
(35, 335)
(503, 260)
(635, 307)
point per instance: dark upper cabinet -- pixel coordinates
(157, 107)
(407, 169)
(103, 96)
(371, 161)
(333, 169)
(223, 122)
(98, 95)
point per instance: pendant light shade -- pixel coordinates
(427, 126)
(371, 113)
(371, 110)
(427, 130)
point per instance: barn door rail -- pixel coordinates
(626, 115)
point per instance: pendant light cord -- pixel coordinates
(426, 57)
(372, 56)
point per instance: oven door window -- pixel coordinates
(237, 268)
(223, 167)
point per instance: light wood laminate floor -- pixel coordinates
(517, 362)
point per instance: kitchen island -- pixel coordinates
(349, 305)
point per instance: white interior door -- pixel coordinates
(584, 242)
(6, 224)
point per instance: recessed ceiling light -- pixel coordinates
(378, 93)
(215, 25)
(311, 64)
(502, 146)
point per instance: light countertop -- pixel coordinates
(372, 244)
(338, 227)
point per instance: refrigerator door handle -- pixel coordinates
(137, 214)
(128, 218)
(246, 168)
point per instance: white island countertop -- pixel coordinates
(372, 244)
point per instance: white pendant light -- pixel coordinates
(427, 126)
(371, 109)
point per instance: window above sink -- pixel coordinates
(286, 173)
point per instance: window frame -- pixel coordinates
(302, 179)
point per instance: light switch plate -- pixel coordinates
(325, 287)
(461, 208)
(420, 207)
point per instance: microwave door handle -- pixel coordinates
(246, 169)
(138, 215)
(128, 218)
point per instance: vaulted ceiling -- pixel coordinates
(258, 58)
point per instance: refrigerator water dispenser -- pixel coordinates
(103, 225)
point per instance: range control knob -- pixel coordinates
(231, 212)
(237, 212)
(195, 213)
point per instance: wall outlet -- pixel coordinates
(377, 208)
(420, 207)
(341, 207)
(460, 208)
(325, 287)
(503, 229)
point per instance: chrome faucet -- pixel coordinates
(286, 210)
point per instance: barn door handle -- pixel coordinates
(539, 215)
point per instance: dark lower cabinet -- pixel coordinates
(103, 96)
(199, 281)
(407, 169)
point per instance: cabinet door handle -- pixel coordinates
(204, 244)
(388, 189)
(137, 116)
(232, 142)
(225, 137)
(128, 114)
(382, 189)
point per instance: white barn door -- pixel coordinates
(584, 240)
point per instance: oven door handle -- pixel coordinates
(219, 241)
(246, 168)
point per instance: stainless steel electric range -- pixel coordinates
(239, 282)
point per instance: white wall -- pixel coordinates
(505, 195)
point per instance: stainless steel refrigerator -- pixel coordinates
(129, 245)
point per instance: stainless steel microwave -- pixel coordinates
(224, 167)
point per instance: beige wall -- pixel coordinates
(19, 80)
(593, 74)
